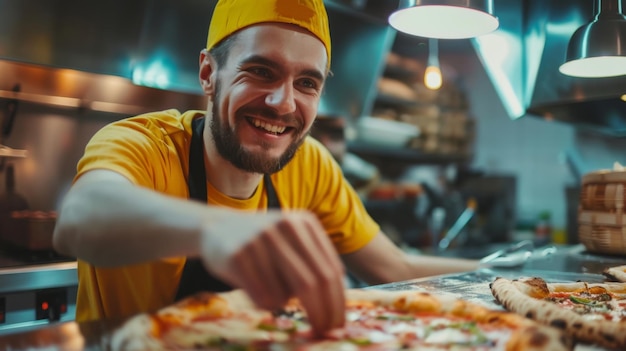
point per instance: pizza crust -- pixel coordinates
(523, 296)
(616, 273)
(196, 312)
(191, 321)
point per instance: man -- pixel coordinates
(278, 208)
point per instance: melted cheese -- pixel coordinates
(210, 333)
(450, 335)
(379, 329)
(329, 346)
(397, 330)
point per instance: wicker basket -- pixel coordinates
(602, 232)
(601, 215)
(603, 191)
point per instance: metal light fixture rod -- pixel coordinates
(608, 9)
(433, 78)
(433, 52)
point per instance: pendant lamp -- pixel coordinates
(598, 49)
(445, 19)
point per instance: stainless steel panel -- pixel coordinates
(19, 288)
(58, 110)
(36, 277)
(20, 313)
(94, 36)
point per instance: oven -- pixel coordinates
(36, 288)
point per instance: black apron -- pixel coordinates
(195, 277)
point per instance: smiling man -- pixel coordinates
(272, 214)
(272, 95)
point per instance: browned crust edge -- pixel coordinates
(616, 273)
(517, 296)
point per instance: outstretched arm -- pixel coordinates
(381, 261)
(107, 221)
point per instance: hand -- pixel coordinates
(278, 255)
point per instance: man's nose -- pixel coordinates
(282, 98)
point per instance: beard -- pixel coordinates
(229, 146)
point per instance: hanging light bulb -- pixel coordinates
(598, 49)
(432, 78)
(432, 75)
(445, 19)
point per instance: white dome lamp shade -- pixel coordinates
(598, 49)
(445, 19)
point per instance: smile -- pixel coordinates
(268, 127)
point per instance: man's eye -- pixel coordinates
(308, 83)
(261, 72)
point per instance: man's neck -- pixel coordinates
(224, 176)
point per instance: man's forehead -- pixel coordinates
(268, 39)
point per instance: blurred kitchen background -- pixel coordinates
(495, 155)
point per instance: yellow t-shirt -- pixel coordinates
(152, 150)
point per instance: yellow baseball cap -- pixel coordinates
(230, 16)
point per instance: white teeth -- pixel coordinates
(268, 127)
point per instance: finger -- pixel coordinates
(331, 280)
(329, 300)
(318, 285)
(241, 272)
(323, 241)
(333, 271)
(254, 272)
(274, 290)
(332, 256)
(302, 283)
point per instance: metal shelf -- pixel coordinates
(404, 155)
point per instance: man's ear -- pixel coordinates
(207, 72)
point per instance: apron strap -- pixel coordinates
(195, 278)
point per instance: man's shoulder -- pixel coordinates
(164, 122)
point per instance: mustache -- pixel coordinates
(270, 114)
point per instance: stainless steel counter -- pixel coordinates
(574, 259)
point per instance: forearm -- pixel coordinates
(411, 266)
(380, 261)
(116, 223)
(432, 265)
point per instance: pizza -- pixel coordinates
(375, 320)
(593, 313)
(616, 273)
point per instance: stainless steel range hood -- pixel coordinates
(155, 43)
(527, 79)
